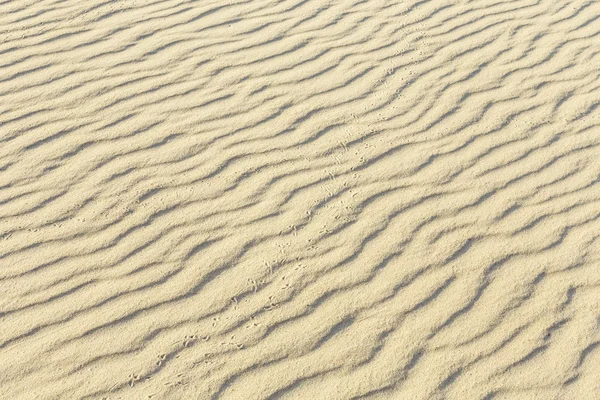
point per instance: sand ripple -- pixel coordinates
(301, 199)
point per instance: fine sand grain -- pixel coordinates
(300, 199)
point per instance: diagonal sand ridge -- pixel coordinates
(299, 199)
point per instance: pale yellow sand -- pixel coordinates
(299, 199)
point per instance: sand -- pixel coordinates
(299, 199)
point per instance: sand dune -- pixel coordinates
(299, 199)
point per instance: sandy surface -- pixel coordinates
(299, 199)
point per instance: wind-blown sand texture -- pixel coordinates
(299, 199)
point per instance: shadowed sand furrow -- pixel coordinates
(299, 199)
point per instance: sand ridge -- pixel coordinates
(303, 199)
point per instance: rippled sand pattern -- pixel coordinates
(299, 199)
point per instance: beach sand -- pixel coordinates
(299, 199)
